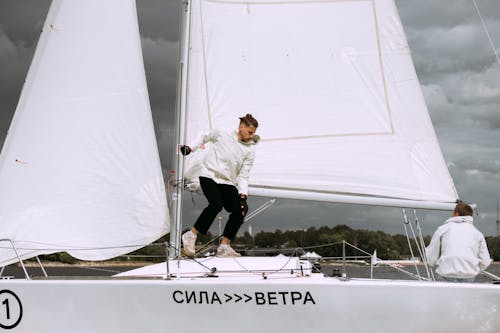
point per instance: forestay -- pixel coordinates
(80, 169)
(335, 91)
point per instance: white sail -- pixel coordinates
(79, 191)
(80, 170)
(341, 113)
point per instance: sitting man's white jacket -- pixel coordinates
(458, 249)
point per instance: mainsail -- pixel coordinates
(80, 170)
(332, 83)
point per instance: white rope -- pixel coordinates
(405, 223)
(259, 209)
(491, 275)
(423, 254)
(487, 32)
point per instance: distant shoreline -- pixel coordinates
(90, 264)
(146, 263)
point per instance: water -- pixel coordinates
(386, 272)
(352, 271)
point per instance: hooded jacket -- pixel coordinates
(228, 160)
(458, 249)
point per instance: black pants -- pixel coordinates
(220, 196)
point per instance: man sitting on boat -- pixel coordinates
(458, 248)
(224, 178)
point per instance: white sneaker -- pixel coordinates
(188, 243)
(227, 251)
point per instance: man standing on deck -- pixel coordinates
(224, 175)
(458, 248)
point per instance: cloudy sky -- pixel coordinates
(456, 64)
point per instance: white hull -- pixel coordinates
(285, 302)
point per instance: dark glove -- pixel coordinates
(185, 150)
(243, 205)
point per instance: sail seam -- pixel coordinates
(205, 77)
(326, 136)
(377, 34)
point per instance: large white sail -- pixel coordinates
(80, 170)
(332, 83)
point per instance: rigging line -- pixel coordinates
(206, 245)
(423, 254)
(274, 271)
(318, 246)
(258, 210)
(357, 248)
(487, 32)
(413, 275)
(405, 223)
(335, 243)
(257, 272)
(195, 260)
(96, 269)
(179, 258)
(490, 275)
(416, 244)
(59, 247)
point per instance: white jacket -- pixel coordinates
(228, 160)
(458, 249)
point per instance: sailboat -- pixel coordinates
(341, 110)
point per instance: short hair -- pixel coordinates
(463, 209)
(249, 120)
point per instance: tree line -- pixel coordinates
(327, 241)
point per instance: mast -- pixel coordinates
(180, 128)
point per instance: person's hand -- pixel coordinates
(243, 205)
(185, 150)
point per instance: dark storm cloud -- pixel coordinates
(491, 166)
(465, 99)
(160, 62)
(159, 19)
(450, 42)
(159, 27)
(430, 14)
(22, 20)
(20, 25)
(459, 75)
